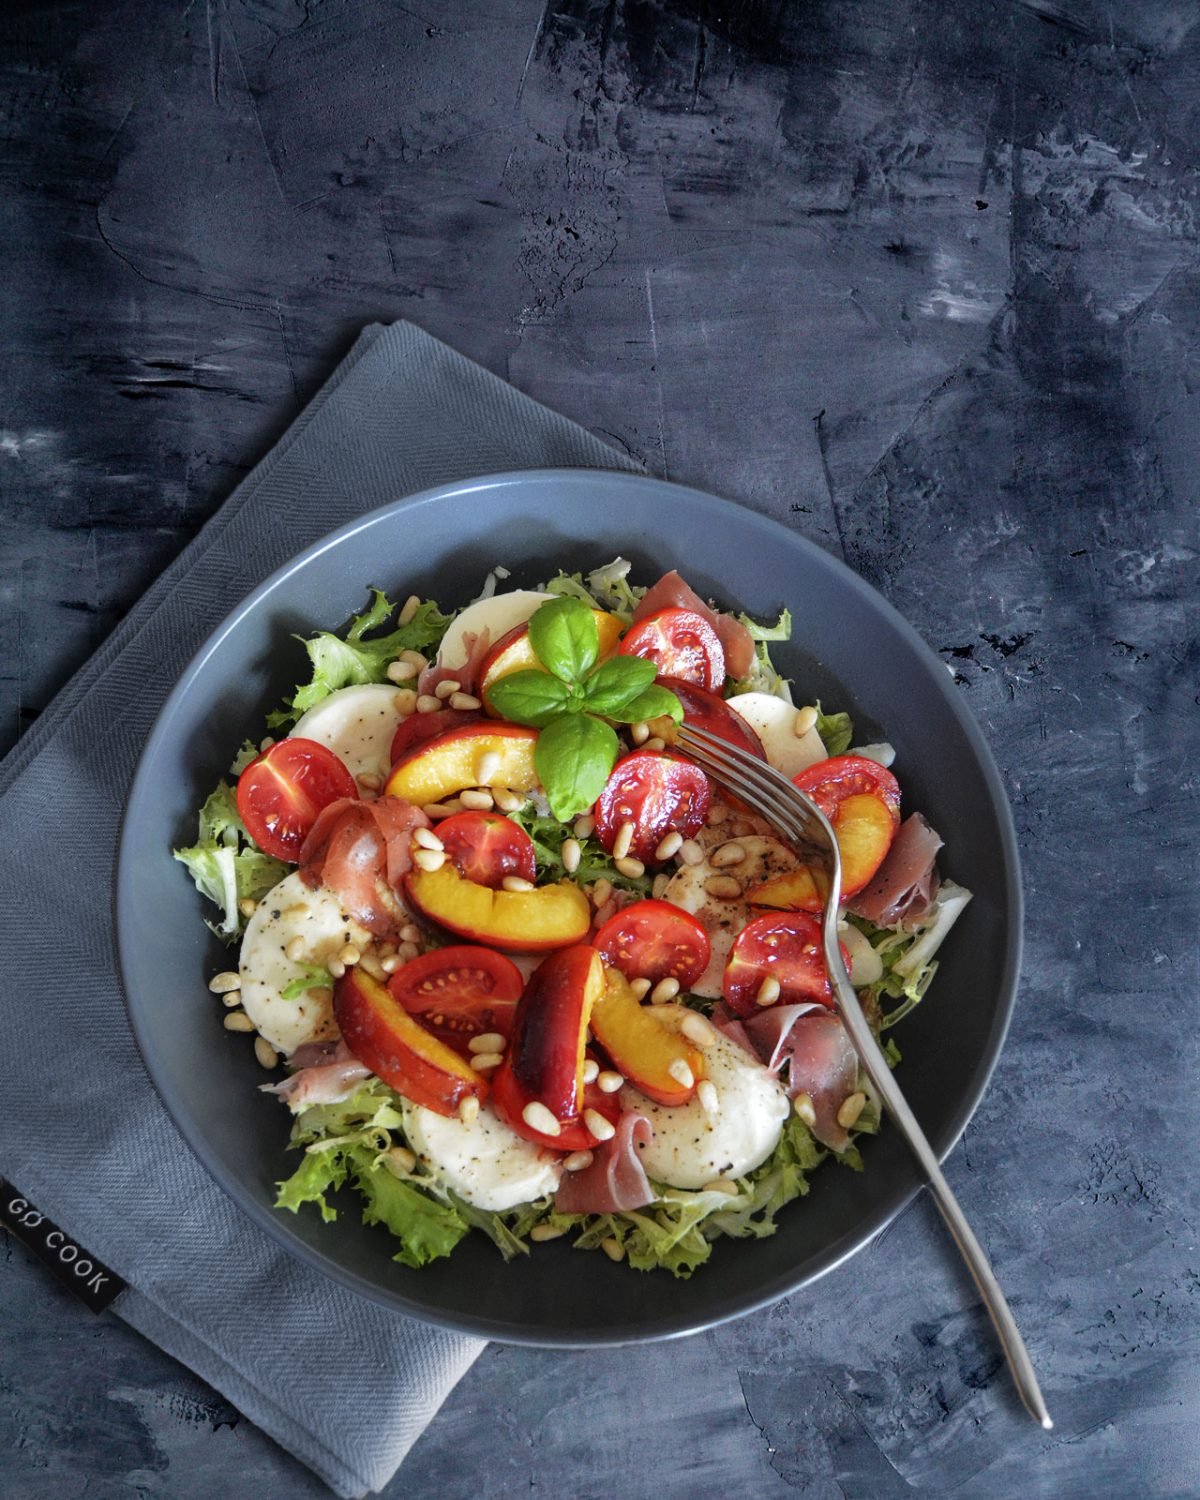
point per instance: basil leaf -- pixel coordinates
(573, 756)
(528, 697)
(564, 637)
(615, 682)
(650, 703)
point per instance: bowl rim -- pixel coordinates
(894, 1199)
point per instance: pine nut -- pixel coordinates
(601, 892)
(609, 1082)
(489, 764)
(804, 1107)
(516, 883)
(657, 743)
(468, 1109)
(427, 839)
(640, 988)
(591, 1070)
(717, 814)
(584, 827)
(419, 662)
(266, 1054)
(349, 954)
(543, 1232)
(484, 1062)
(297, 909)
(578, 1160)
(295, 949)
(722, 1185)
(538, 1117)
(572, 853)
(411, 605)
(247, 906)
(613, 1248)
(768, 991)
(234, 997)
(486, 1041)
(399, 1161)
(681, 1073)
(429, 859)
(407, 951)
(710, 1100)
(697, 1030)
(369, 781)
(371, 964)
(659, 888)
(222, 983)
(665, 990)
(850, 1109)
(428, 704)
(405, 702)
(238, 1020)
(391, 963)
(464, 702)
(597, 1125)
(639, 733)
(506, 800)
(336, 968)
(632, 869)
(806, 719)
(401, 671)
(438, 810)
(410, 933)
(476, 799)
(669, 846)
(690, 853)
(723, 887)
(447, 687)
(624, 840)
(726, 855)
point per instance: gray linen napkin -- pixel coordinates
(343, 1384)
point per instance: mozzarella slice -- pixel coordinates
(772, 719)
(484, 1162)
(724, 918)
(497, 615)
(290, 910)
(688, 1148)
(357, 724)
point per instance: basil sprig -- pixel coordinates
(570, 701)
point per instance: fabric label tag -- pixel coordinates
(93, 1283)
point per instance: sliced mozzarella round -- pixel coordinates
(772, 720)
(689, 1148)
(723, 917)
(497, 615)
(484, 1162)
(357, 724)
(289, 911)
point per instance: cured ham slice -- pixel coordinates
(671, 592)
(820, 1058)
(466, 675)
(327, 1073)
(616, 1181)
(360, 850)
(729, 1025)
(906, 882)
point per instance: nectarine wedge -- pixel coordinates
(549, 916)
(549, 1035)
(641, 1046)
(865, 827)
(439, 767)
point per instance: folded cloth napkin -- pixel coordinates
(343, 1384)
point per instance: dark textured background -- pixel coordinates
(920, 279)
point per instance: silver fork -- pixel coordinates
(802, 825)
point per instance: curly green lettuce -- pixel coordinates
(225, 862)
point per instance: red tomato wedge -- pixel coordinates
(785, 946)
(281, 791)
(486, 846)
(654, 940)
(681, 644)
(657, 794)
(460, 992)
(709, 711)
(418, 727)
(862, 801)
(509, 1100)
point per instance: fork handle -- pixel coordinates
(877, 1070)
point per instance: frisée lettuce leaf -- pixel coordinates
(225, 862)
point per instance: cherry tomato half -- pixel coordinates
(709, 711)
(654, 940)
(830, 782)
(862, 801)
(509, 1100)
(418, 727)
(656, 793)
(486, 846)
(681, 644)
(460, 992)
(281, 791)
(785, 946)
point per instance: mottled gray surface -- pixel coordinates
(920, 279)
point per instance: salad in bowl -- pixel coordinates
(519, 967)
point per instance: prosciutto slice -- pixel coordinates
(821, 1061)
(467, 675)
(729, 1025)
(671, 592)
(360, 850)
(616, 1180)
(906, 882)
(326, 1073)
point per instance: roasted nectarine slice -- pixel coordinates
(398, 1049)
(549, 916)
(439, 767)
(865, 827)
(513, 652)
(549, 1033)
(509, 1100)
(642, 1047)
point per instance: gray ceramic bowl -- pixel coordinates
(850, 649)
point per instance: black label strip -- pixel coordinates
(78, 1270)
